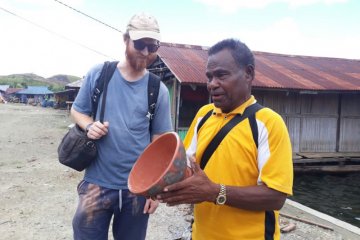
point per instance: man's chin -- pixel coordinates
(223, 108)
(217, 104)
(139, 65)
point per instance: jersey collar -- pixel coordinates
(239, 110)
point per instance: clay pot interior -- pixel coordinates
(162, 158)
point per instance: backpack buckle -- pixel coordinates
(152, 106)
(150, 116)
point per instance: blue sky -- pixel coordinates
(72, 43)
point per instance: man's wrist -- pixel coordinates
(214, 193)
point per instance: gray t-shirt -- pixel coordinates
(125, 109)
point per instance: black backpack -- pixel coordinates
(76, 150)
(103, 80)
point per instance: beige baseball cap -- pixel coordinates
(143, 25)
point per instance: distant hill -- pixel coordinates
(55, 83)
(63, 78)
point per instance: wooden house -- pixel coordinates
(318, 97)
(68, 96)
(10, 94)
(3, 89)
(34, 94)
(65, 98)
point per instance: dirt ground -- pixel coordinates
(38, 195)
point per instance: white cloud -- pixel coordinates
(286, 37)
(62, 44)
(27, 48)
(283, 36)
(232, 6)
(298, 3)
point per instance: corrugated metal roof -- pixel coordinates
(35, 90)
(4, 87)
(76, 84)
(12, 90)
(187, 63)
(66, 91)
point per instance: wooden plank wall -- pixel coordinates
(350, 123)
(319, 122)
(312, 119)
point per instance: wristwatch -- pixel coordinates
(88, 127)
(221, 198)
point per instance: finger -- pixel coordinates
(195, 167)
(99, 128)
(176, 186)
(93, 133)
(192, 158)
(104, 127)
(153, 206)
(177, 201)
(168, 199)
(165, 197)
(147, 205)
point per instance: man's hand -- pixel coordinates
(195, 189)
(150, 206)
(97, 130)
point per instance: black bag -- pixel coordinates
(76, 150)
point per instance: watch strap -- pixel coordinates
(88, 127)
(221, 198)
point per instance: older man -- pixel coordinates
(245, 179)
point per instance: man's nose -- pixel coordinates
(213, 83)
(145, 51)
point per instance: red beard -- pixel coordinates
(137, 61)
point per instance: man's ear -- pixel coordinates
(126, 38)
(250, 72)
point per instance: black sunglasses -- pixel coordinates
(140, 45)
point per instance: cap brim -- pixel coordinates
(136, 35)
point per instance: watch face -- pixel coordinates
(221, 199)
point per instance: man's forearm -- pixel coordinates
(257, 198)
(81, 119)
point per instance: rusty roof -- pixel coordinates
(280, 71)
(186, 62)
(13, 90)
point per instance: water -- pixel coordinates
(337, 195)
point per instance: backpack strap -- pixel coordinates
(101, 83)
(254, 129)
(203, 120)
(153, 93)
(251, 110)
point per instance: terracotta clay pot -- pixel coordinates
(162, 163)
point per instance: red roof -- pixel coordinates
(13, 90)
(187, 63)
